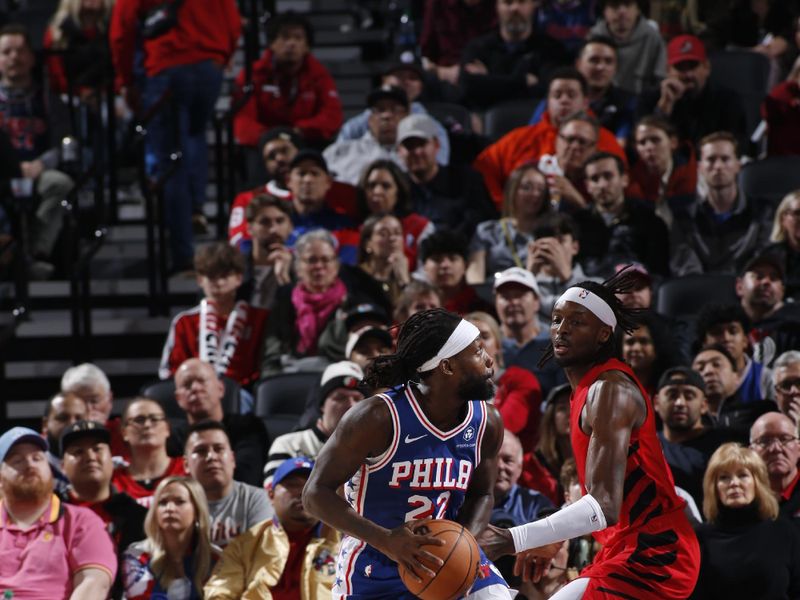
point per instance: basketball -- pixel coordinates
(461, 558)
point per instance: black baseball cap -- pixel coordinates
(769, 259)
(387, 92)
(681, 376)
(312, 155)
(83, 429)
(365, 310)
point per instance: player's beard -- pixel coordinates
(29, 489)
(476, 387)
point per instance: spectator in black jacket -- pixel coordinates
(745, 552)
(761, 290)
(452, 197)
(511, 62)
(616, 229)
(774, 438)
(614, 107)
(724, 229)
(689, 100)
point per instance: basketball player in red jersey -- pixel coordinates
(629, 505)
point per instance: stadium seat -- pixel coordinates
(746, 73)
(281, 399)
(164, 393)
(449, 114)
(684, 296)
(771, 178)
(501, 119)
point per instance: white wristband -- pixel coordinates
(580, 518)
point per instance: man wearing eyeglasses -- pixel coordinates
(786, 379)
(774, 437)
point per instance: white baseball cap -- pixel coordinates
(517, 275)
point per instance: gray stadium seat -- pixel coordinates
(771, 178)
(501, 119)
(684, 296)
(281, 399)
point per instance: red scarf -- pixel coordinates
(313, 310)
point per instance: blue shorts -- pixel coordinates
(362, 572)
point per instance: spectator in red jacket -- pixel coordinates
(665, 172)
(518, 396)
(290, 87)
(567, 94)
(187, 60)
(781, 110)
(220, 331)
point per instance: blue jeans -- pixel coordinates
(181, 126)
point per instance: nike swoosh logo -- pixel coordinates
(414, 439)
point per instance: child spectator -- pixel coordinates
(221, 331)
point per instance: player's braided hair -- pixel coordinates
(628, 319)
(421, 336)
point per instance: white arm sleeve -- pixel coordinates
(580, 518)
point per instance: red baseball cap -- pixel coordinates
(685, 47)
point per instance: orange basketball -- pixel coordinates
(461, 559)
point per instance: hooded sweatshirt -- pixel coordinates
(642, 59)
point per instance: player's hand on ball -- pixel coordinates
(404, 546)
(533, 564)
(496, 542)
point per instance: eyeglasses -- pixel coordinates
(142, 420)
(318, 260)
(787, 385)
(766, 442)
(576, 140)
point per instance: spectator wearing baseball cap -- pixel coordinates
(50, 549)
(290, 87)
(339, 390)
(451, 196)
(686, 438)
(347, 159)
(88, 464)
(517, 303)
(411, 79)
(292, 555)
(761, 291)
(687, 97)
(365, 344)
(640, 48)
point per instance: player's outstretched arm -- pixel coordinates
(477, 508)
(364, 431)
(614, 408)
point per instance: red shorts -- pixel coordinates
(657, 561)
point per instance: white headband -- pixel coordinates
(593, 302)
(463, 335)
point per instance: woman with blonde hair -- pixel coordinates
(786, 241)
(80, 29)
(502, 243)
(745, 551)
(176, 558)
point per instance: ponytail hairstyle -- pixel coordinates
(628, 319)
(420, 338)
